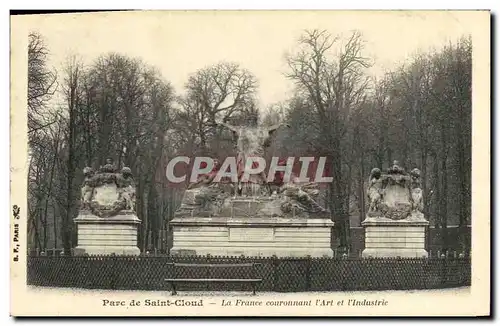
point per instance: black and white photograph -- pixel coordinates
(250, 163)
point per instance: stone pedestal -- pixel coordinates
(394, 238)
(107, 235)
(252, 236)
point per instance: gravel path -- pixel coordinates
(73, 291)
(49, 301)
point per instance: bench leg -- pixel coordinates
(174, 292)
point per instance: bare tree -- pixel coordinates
(42, 128)
(72, 91)
(334, 85)
(215, 93)
(42, 82)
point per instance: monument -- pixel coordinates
(395, 223)
(251, 217)
(106, 222)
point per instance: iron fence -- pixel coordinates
(278, 274)
(337, 253)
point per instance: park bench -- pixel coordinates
(253, 281)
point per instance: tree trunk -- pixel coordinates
(49, 194)
(423, 168)
(381, 142)
(145, 221)
(463, 175)
(153, 214)
(45, 227)
(38, 243)
(389, 156)
(361, 181)
(104, 130)
(66, 223)
(88, 131)
(443, 199)
(338, 202)
(347, 194)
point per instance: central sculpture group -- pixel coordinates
(206, 198)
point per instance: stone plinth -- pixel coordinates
(394, 238)
(252, 236)
(105, 236)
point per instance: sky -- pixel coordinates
(179, 43)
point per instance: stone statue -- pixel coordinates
(108, 208)
(416, 191)
(396, 169)
(302, 197)
(87, 187)
(395, 195)
(204, 197)
(107, 193)
(127, 188)
(206, 179)
(251, 142)
(375, 190)
(395, 224)
(295, 198)
(108, 167)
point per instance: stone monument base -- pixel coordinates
(252, 236)
(394, 238)
(106, 236)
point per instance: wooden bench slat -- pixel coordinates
(173, 281)
(214, 280)
(212, 265)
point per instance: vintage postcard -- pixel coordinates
(250, 163)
